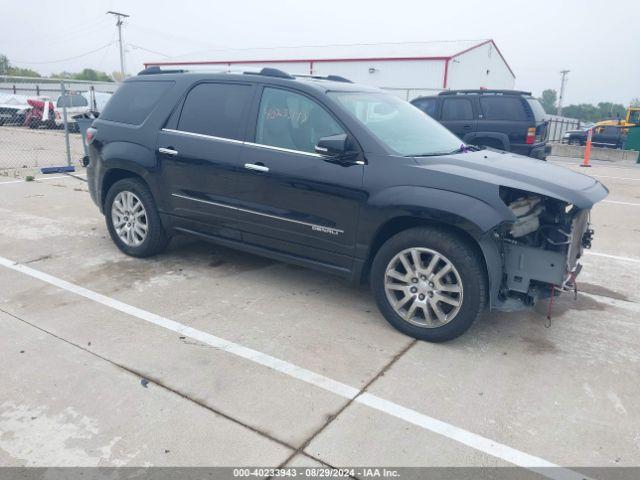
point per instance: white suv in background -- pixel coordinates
(76, 104)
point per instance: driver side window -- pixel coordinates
(293, 121)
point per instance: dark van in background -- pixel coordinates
(507, 120)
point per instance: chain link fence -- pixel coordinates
(38, 120)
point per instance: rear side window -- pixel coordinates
(502, 108)
(457, 109)
(132, 103)
(427, 105)
(216, 109)
(538, 110)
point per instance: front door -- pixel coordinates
(201, 154)
(293, 199)
(457, 115)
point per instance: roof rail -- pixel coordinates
(155, 70)
(333, 78)
(485, 91)
(271, 72)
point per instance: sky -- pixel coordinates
(599, 42)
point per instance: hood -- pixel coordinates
(523, 173)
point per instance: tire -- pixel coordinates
(135, 244)
(467, 275)
(33, 123)
(575, 142)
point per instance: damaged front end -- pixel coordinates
(540, 250)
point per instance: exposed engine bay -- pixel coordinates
(541, 248)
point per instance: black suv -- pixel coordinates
(507, 120)
(606, 136)
(343, 178)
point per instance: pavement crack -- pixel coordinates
(37, 259)
(332, 417)
(147, 380)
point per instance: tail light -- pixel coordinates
(531, 135)
(91, 133)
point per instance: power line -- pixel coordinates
(67, 59)
(138, 47)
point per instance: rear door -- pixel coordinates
(506, 114)
(457, 114)
(200, 154)
(292, 199)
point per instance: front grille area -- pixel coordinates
(579, 226)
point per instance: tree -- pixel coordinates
(7, 69)
(4, 65)
(548, 100)
(635, 102)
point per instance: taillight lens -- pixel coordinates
(91, 133)
(531, 136)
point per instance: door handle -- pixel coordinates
(168, 151)
(256, 167)
(467, 127)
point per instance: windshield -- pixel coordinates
(402, 127)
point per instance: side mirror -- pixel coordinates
(333, 145)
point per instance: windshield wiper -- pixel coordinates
(460, 149)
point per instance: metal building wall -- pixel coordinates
(481, 67)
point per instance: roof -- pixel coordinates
(434, 50)
(306, 83)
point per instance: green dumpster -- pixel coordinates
(633, 140)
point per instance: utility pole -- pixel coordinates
(562, 85)
(119, 16)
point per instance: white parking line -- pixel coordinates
(613, 257)
(621, 203)
(421, 420)
(40, 179)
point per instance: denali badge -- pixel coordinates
(332, 231)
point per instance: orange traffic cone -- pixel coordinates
(587, 150)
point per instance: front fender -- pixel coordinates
(440, 206)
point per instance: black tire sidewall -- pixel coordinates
(156, 239)
(464, 258)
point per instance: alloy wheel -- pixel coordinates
(129, 218)
(423, 287)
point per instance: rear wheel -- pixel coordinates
(132, 219)
(429, 283)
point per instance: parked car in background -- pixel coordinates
(41, 114)
(343, 178)
(508, 120)
(76, 105)
(606, 136)
(13, 109)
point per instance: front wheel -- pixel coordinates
(429, 283)
(132, 219)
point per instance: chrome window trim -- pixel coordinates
(239, 209)
(240, 142)
(286, 150)
(202, 135)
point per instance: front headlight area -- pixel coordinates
(538, 247)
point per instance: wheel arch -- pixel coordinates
(395, 225)
(114, 175)
(494, 137)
